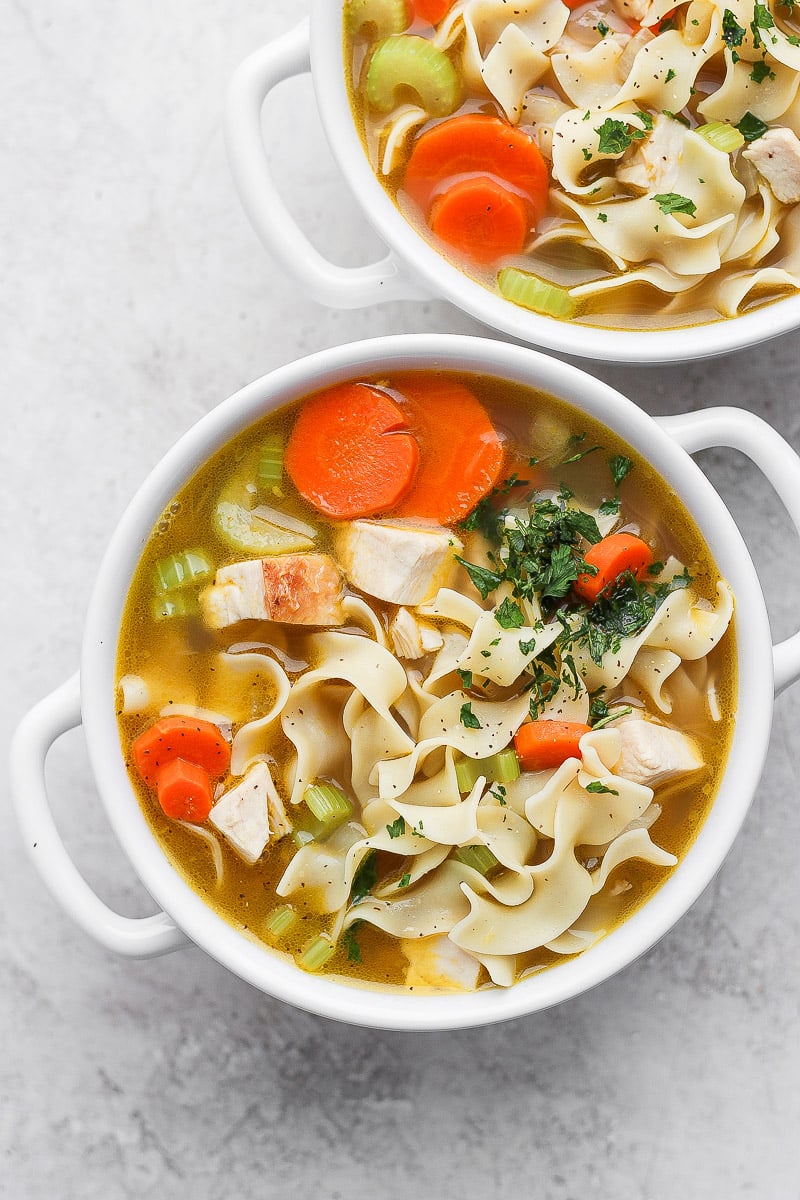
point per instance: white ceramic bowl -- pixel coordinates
(413, 269)
(90, 697)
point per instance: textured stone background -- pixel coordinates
(134, 296)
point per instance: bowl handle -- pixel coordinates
(772, 454)
(134, 937)
(336, 286)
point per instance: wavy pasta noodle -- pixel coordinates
(661, 142)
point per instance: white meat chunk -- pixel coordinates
(298, 589)
(411, 637)
(439, 963)
(654, 165)
(652, 754)
(776, 157)
(632, 10)
(251, 814)
(397, 561)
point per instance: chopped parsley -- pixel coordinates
(509, 615)
(751, 128)
(622, 610)
(466, 678)
(619, 466)
(732, 32)
(598, 788)
(397, 828)
(365, 877)
(761, 71)
(672, 202)
(404, 881)
(468, 718)
(575, 450)
(350, 942)
(616, 136)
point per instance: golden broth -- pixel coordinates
(176, 657)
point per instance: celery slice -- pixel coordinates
(414, 63)
(316, 953)
(281, 921)
(506, 766)
(175, 604)
(530, 291)
(502, 767)
(246, 531)
(269, 475)
(181, 570)
(721, 136)
(329, 805)
(384, 16)
(480, 858)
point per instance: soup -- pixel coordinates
(426, 681)
(625, 163)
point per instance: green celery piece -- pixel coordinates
(316, 953)
(281, 920)
(502, 767)
(480, 858)
(181, 570)
(175, 604)
(384, 16)
(530, 291)
(721, 136)
(412, 62)
(243, 530)
(329, 805)
(269, 475)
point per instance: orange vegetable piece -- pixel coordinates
(350, 454)
(544, 743)
(184, 791)
(612, 555)
(477, 144)
(480, 218)
(432, 11)
(461, 455)
(189, 738)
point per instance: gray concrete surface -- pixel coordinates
(134, 296)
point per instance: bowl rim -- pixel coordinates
(360, 1005)
(686, 343)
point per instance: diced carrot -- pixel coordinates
(350, 453)
(461, 455)
(480, 218)
(612, 555)
(184, 791)
(476, 144)
(189, 738)
(544, 743)
(432, 11)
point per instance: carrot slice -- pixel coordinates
(349, 453)
(191, 739)
(434, 11)
(476, 144)
(184, 791)
(480, 218)
(544, 743)
(461, 455)
(612, 556)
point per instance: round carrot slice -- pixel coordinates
(612, 556)
(480, 218)
(350, 453)
(190, 738)
(461, 455)
(476, 144)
